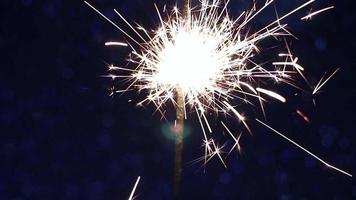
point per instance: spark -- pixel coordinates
(304, 149)
(302, 115)
(294, 63)
(211, 58)
(218, 151)
(211, 150)
(134, 188)
(237, 140)
(272, 94)
(322, 82)
(309, 16)
(238, 115)
(116, 44)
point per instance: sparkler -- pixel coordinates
(203, 61)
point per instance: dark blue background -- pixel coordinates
(63, 137)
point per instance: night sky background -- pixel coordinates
(63, 137)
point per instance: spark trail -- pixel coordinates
(309, 16)
(134, 188)
(304, 149)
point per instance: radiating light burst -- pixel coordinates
(210, 56)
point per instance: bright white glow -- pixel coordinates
(190, 61)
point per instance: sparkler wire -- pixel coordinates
(180, 114)
(179, 133)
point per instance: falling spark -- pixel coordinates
(309, 16)
(134, 188)
(304, 149)
(210, 57)
(322, 82)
